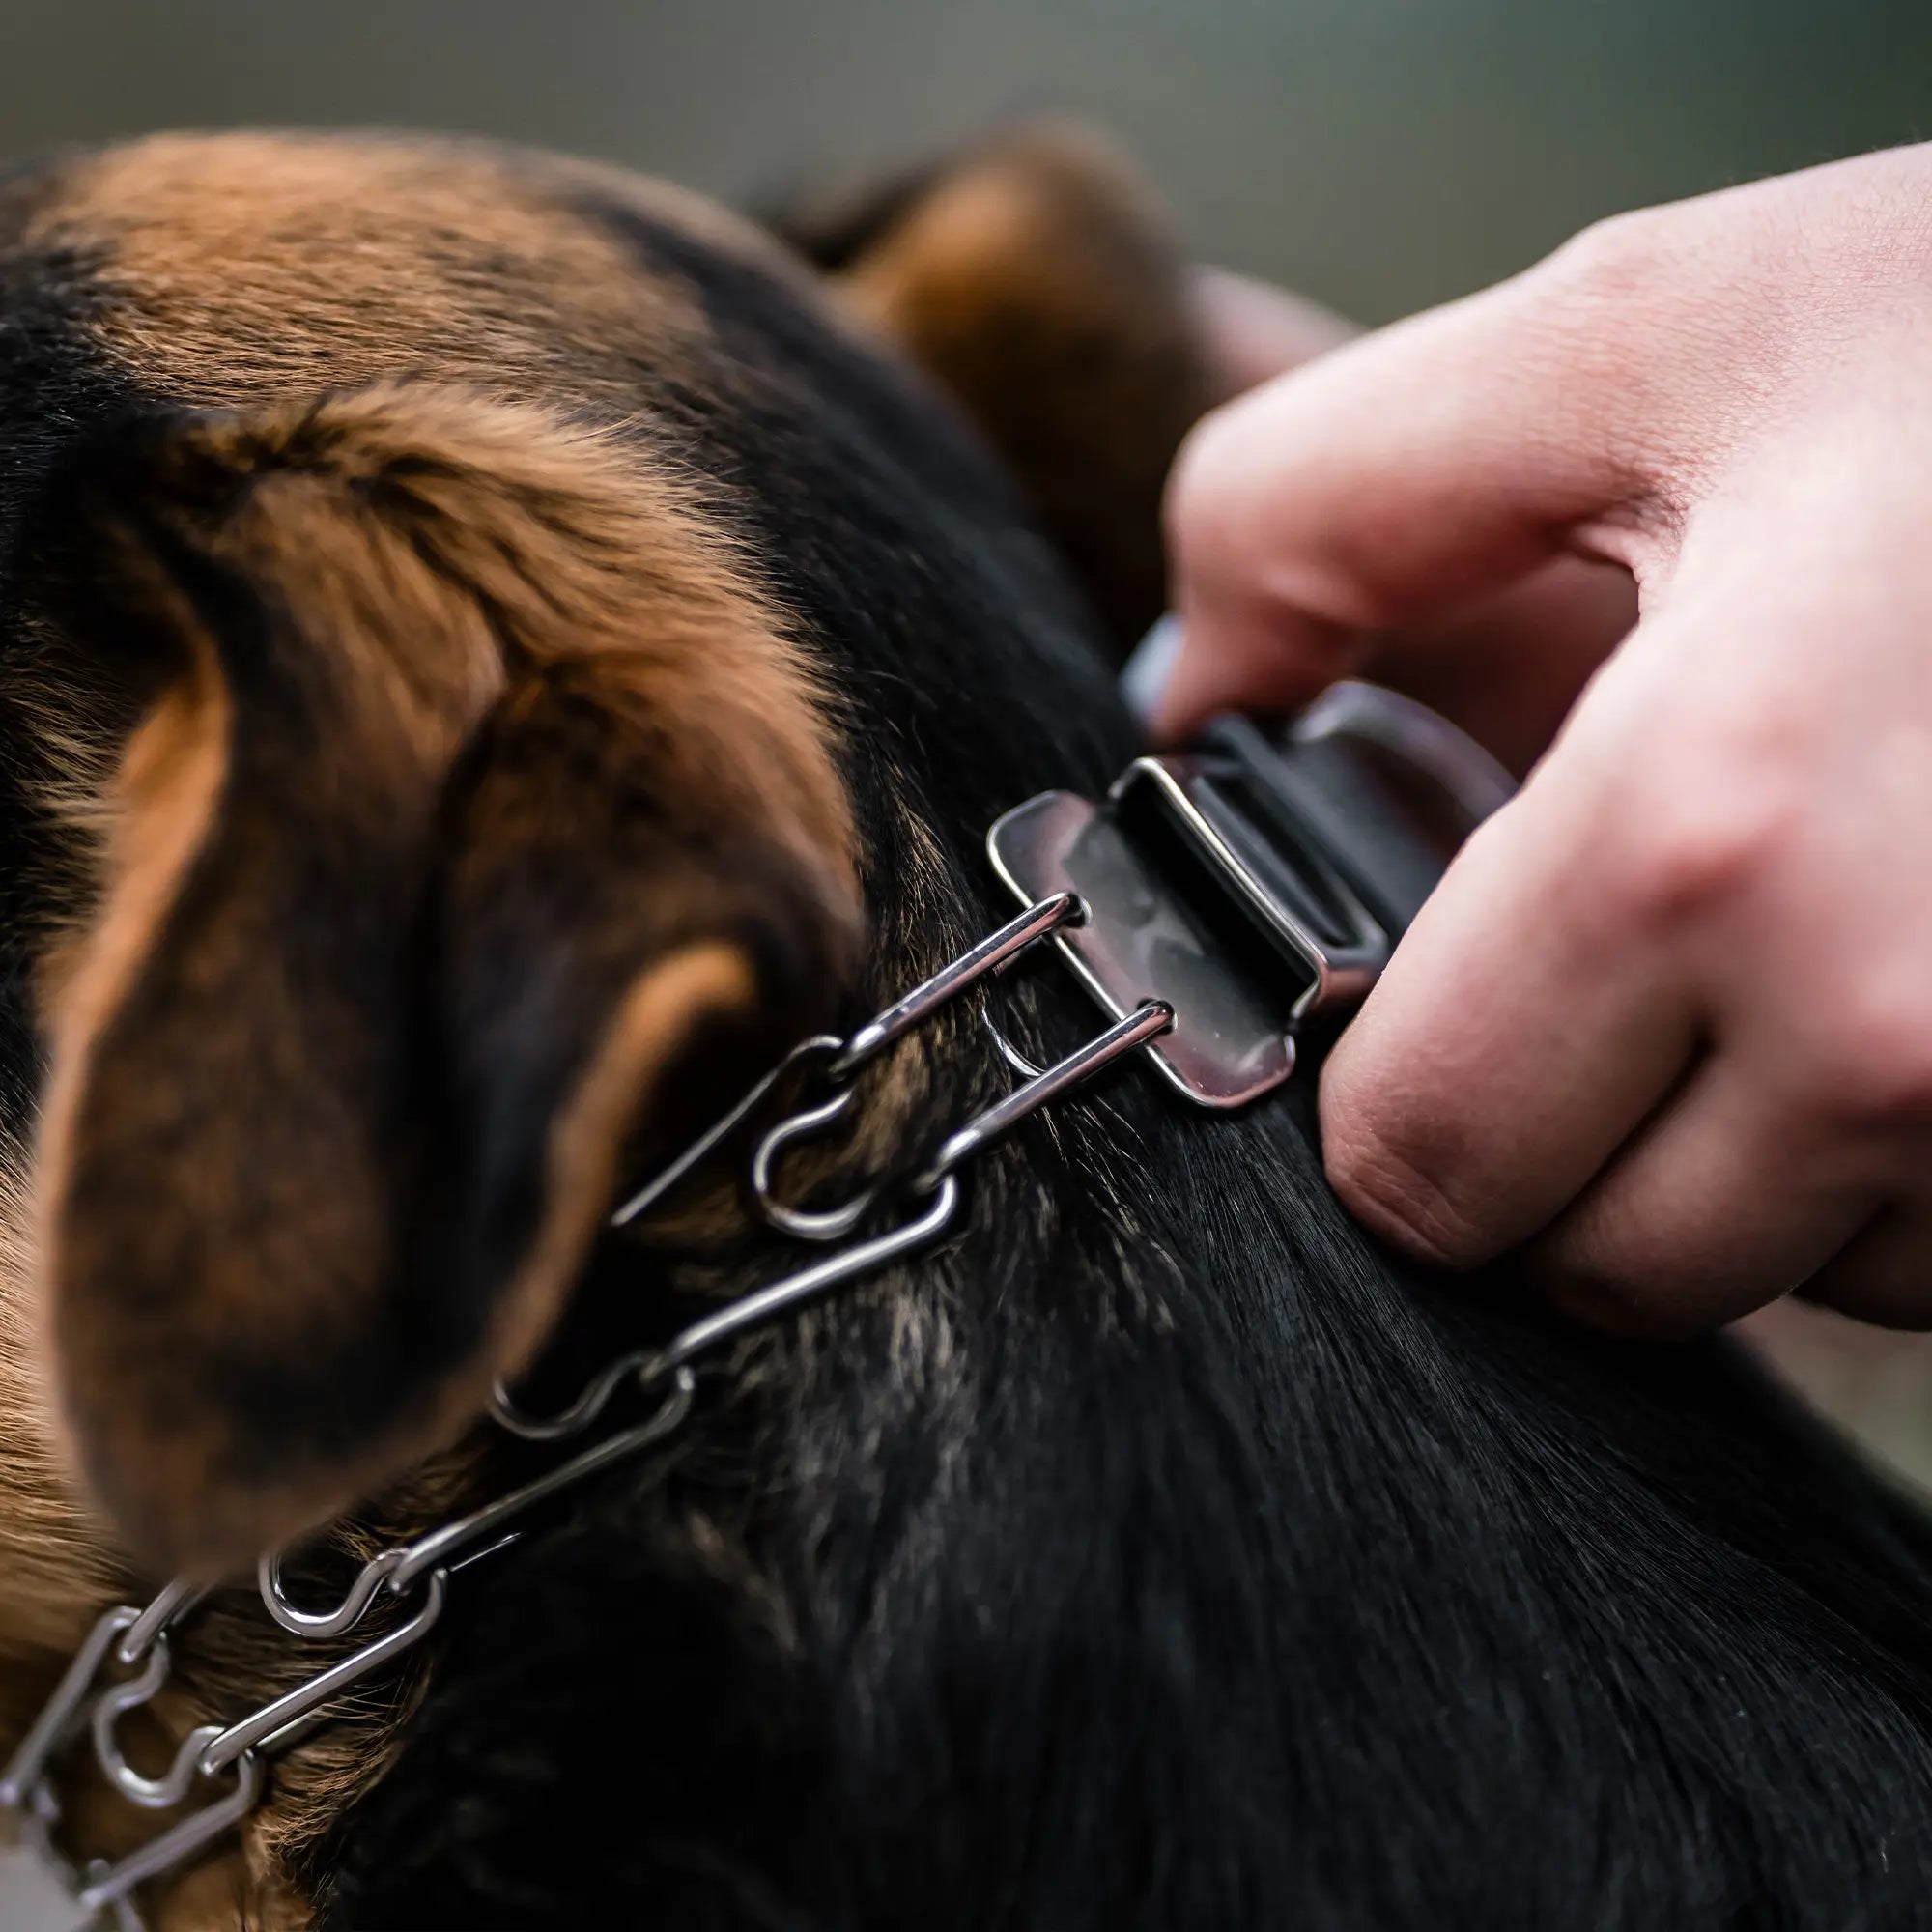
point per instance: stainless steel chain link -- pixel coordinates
(229, 1762)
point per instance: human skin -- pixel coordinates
(1667, 1026)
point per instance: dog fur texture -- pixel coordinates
(490, 652)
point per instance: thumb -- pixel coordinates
(1388, 483)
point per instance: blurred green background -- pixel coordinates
(1380, 153)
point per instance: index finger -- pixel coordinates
(1515, 1041)
(1387, 482)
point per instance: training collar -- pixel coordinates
(1216, 904)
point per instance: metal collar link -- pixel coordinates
(228, 1763)
(1209, 905)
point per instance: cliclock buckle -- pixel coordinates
(1253, 887)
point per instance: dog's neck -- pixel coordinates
(1288, 841)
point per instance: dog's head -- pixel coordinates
(486, 642)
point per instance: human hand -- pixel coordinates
(1667, 1023)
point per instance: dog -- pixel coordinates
(495, 651)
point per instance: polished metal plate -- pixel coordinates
(1230, 1043)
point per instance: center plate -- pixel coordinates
(1230, 1043)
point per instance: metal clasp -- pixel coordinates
(1252, 887)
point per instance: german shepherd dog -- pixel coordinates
(494, 652)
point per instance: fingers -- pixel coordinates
(1386, 484)
(1884, 1275)
(1254, 331)
(1728, 1197)
(1509, 668)
(1662, 1021)
(1517, 1039)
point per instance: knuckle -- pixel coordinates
(1211, 463)
(1399, 1203)
(1687, 851)
(1615, 260)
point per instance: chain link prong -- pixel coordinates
(1136, 1029)
(139, 1639)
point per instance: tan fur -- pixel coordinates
(57, 1565)
(169, 784)
(501, 545)
(554, 552)
(249, 267)
(1036, 280)
(454, 554)
(402, 717)
(59, 1568)
(665, 1009)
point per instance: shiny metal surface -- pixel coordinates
(805, 1223)
(44, 1736)
(111, 1884)
(277, 1716)
(794, 1291)
(1295, 898)
(1371, 714)
(432, 1554)
(318, 1624)
(720, 1130)
(155, 1794)
(1120, 890)
(1147, 1023)
(996, 950)
(1229, 1043)
(175, 1601)
(1050, 914)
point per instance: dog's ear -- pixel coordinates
(473, 790)
(1037, 279)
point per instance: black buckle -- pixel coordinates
(1253, 887)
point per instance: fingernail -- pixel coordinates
(1145, 675)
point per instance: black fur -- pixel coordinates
(51, 384)
(1158, 1554)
